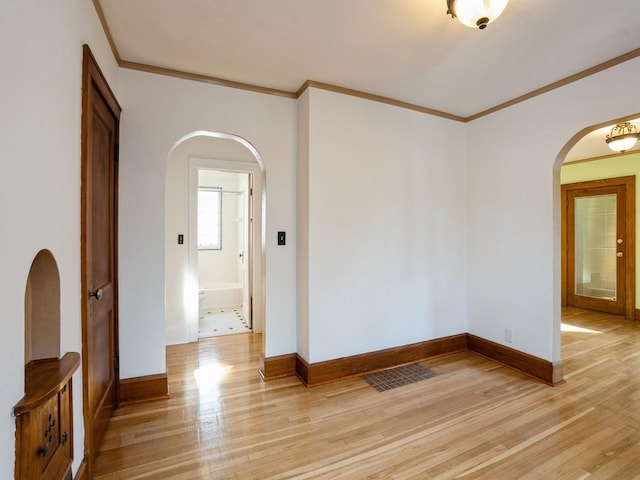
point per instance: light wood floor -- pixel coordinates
(476, 419)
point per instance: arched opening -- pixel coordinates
(42, 309)
(220, 155)
(584, 172)
(47, 405)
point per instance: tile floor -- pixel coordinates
(227, 321)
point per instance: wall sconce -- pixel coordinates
(476, 13)
(622, 137)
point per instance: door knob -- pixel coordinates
(97, 294)
(619, 254)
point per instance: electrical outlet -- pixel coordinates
(508, 335)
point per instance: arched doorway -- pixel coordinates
(197, 151)
(586, 162)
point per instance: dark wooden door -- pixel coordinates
(100, 124)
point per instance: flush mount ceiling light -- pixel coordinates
(476, 13)
(622, 137)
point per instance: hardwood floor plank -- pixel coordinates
(475, 419)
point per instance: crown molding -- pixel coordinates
(204, 78)
(560, 83)
(348, 91)
(375, 98)
(107, 32)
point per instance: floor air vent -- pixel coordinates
(398, 377)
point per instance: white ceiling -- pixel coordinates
(407, 50)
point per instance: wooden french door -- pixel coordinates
(100, 126)
(598, 238)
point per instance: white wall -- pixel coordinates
(159, 112)
(386, 226)
(513, 201)
(40, 93)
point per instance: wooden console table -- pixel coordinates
(44, 420)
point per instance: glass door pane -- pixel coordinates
(595, 246)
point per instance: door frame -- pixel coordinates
(94, 80)
(249, 256)
(628, 183)
(256, 253)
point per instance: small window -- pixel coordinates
(209, 218)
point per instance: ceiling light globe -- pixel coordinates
(476, 13)
(623, 144)
(623, 136)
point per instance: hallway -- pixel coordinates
(475, 419)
